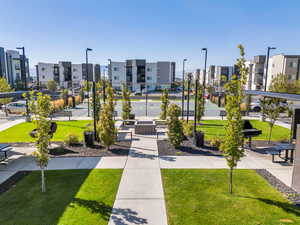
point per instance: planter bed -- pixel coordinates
(187, 148)
(120, 148)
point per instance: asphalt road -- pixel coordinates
(153, 108)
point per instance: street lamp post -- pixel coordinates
(196, 104)
(266, 77)
(188, 97)
(110, 71)
(182, 98)
(267, 65)
(37, 77)
(204, 73)
(23, 69)
(87, 77)
(24, 81)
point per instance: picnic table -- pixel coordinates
(278, 148)
(4, 148)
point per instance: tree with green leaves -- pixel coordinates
(200, 104)
(41, 108)
(5, 87)
(175, 130)
(282, 83)
(126, 104)
(231, 146)
(64, 95)
(272, 111)
(110, 98)
(51, 85)
(164, 104)
(106, 126)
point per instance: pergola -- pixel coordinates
(292, 97)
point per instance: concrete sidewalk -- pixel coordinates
(9, 124)
(140, 193)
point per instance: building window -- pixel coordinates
(75, 77)
(43, 77)
(115, 68)
(43, 68)
(74, 70)
(116, 78)
(149, 69)
(148, 78)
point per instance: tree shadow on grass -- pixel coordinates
(120, 216)
(286, 206)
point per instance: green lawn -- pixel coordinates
(200, 196)
(20, 132)
(215, 128)
(73, 197)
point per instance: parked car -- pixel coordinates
(256, 106)
(15, 107)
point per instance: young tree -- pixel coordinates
(51, 85)
(233, 141)
(110, 98)
(282, 83)
(175, 130)
(64, 95)
(200, 104)
(164, 104)
(126, 104)
(5, 87)
(272, 111)
(41, 109)
(106, 126)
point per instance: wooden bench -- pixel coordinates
(62, 113)
(223, 113)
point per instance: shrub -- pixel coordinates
(175, 132)
(215, 142)
(187, 129)
(243, 107)
(71, 139)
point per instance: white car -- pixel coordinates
(256, 106)
(15, 107)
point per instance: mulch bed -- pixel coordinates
(120, 148)
(13, 180)
(287, 191)
(187, 148)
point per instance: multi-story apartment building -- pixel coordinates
(255, 79)
(217, 76)
(283, 64)
(67, 74)
(138, 74)
(2, 63)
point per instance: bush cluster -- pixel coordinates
(187, 129)
(71, 139)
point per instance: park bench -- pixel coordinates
(191, 113)
(124, 132)
(222, 113)
(273, 152)
(62, 113)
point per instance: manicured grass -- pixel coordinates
(200, 196)
(72, 197)
(20, 132)
(215, 128)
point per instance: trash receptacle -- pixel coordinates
(88, 137)
(199, 139)
(131, 116)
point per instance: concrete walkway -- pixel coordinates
(9, 124)
(140, 198)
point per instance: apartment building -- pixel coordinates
(283, 64)
(67, 74)
(255, 79)
(2, 63)
(139, 74)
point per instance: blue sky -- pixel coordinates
(53, 30)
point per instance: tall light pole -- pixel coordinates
(196, 103)
(267, 65)
(204, 73)
(37, 77)
(182, 98)
(24, 79)
(23, 69)
(188, 97)
(87, 77)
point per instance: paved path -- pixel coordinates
(140, 193)
(8, 124)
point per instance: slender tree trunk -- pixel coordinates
(43, 179)
(230, 180)
(270, 134)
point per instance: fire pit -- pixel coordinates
(145, 127)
